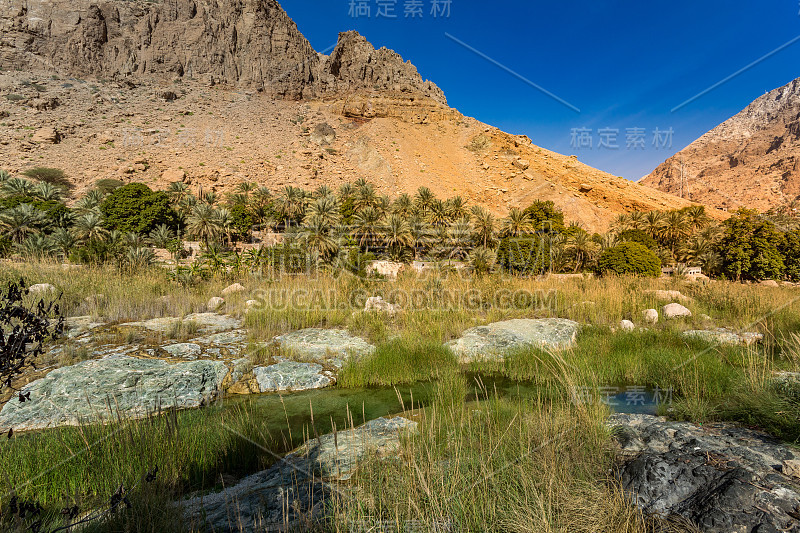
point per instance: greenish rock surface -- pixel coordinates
(184, 350)
(725, 336)
(493, 341)
(332, 346)
(294, 491)
(93, 390)
(206, 323)
(292, 376)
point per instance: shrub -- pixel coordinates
(637, 235)
(54, 176)
(749, 247)
(136, 208)
(524, 255)
(107, 185)
(545, 216)
(630, 258)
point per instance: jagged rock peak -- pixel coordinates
(244, 43)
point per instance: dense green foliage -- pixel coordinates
(640, 236)
(134, 207)
(528, 255)
(630, 258)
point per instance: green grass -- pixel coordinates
(400, 361)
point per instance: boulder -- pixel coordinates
(41, 288)
(627, 325)
(323, 134)
(791, 468)
(332, 346)
(252, 304)
(721, 477)
(293, 492)
(378, 304)
(675, 310)
(522, 164)
(769, 283)
(215, 303)
(183, 350)
(292, 376)
(48, 135)
(725, 336)
(671, 295)
(95, 389)
(233, 289)
(387, 269)
(173, 174)
(494, 341)
(650, 316)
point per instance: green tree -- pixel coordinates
(134, 207)
(629, 258)
(545, 216)
(749, 247)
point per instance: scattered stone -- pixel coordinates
(291, 376)
(173, 174)
(293, 492)
(45, 103)
(233, 289)
(671, 295)
(252, 304)
(184, 350)
(627, 325)
(215, 303)
(720, 477)
(168, 96)
(494, 341)
(387, 269)
(792, 468)
(674, 310)
(725, 336)
(650, 316)
(41, 288)
(95, 389)
(522, 164)
(206, 323)
(48, 135)
(378, 304)
(323, 345)
(78, 325)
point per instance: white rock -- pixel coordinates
(233, 289)
(251, 304)
(376, 303)
(41, 288)
(215, 303)
(675, 310)
(627, 325)
(769, 283)
(650, 316)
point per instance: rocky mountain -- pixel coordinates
(750, 160)
(217, 93)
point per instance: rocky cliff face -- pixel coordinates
(242, 43)
(751, 160)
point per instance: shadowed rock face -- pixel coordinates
(722, 478)
(245, 43)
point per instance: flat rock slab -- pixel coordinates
(184, 350)
(299, 484)
(206, 323)
(722, 478)
(323, 345)
(292, 376)
(136, 386)
(725, 336)
(493, 341)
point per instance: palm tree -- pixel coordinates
(64, 240)
(225, 221)
(346, 190)
(459, 235)
(438, 215)
(177, 191)
(403, 205)
(161, 236)
(397, 236)
(423, 200)
(89, 227)
(291, 204)
(16, 187)
(134, 239)
(609, 240)
(203, 223)
(238, 199)
(696, 217)
(457, 208)
(262, 196)
(516, 224)
(20, 222)
(138, 257)
(675, 229)
(317, 236)
(47, 192)
(4, 176)
(482, 260)
(653, 223)
(365, 196)
(420, 234)
(636, 219)
(209, 197)
(621, 223)
(583, 249)
(485, 226)
(245, 188)
(326, 208)
(367, 227)
(323, 191)
(37, 247)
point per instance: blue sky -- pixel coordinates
(626, 65)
